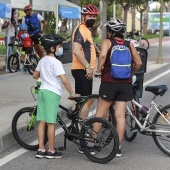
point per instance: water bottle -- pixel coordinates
(38, 84)
(144, 111)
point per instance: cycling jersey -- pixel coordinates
(33, 23)
(83, 36)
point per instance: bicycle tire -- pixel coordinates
(145, 43)
(91, 105)
(25, 138)
(131, 126)
(159, 123)
(13, 63)
(101, 146)
(33, 64)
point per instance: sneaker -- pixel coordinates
(41, 154)
(55, 155)
(91, 149)
(20, 70)
(119, 153)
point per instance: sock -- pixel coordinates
(120, 147)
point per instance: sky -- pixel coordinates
(152, 5)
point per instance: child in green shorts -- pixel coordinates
(52, 74)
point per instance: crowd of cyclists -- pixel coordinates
(52, 74)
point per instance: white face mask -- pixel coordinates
(60, 51)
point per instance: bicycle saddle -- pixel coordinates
(78, 99)
(157, 90)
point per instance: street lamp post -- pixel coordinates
(159, 60)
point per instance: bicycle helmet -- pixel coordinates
(89, 10)
(27, 7)
(116, 26)
(50, 40)
(24, 27)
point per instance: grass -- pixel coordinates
(150, 36)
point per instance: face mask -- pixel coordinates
(60, 51)
(90, 22)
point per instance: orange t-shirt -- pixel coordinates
(83, 36)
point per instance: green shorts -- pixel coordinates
(48, 104)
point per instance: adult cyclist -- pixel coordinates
(32, 21)
(84, 54)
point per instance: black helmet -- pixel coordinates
(50, 40)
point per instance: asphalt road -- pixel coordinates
(140, 154)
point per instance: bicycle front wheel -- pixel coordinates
(33, 64)
(104, 141)
(13, 63)
(131, 126)
(25, 135)
(88, 109)
(144, 43)
(162, 125)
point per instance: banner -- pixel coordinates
(5, 10)
(70, 13)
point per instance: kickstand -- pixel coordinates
(63, 148)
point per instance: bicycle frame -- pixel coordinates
(143, 127)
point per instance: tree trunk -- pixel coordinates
(141, 22)
(133, 18)
(101, 24)
(104, 18)
(145, 24)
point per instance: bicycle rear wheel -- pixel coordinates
(162, 139)
(24, 135)
(13, 63)
(33, 64)
(105, 148)
(131, 126)
(88, 109)
(144, 43)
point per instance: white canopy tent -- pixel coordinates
(42, 5)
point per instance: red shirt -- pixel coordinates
(26, 40)
(106, 77)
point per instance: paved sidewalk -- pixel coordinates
(15, 94)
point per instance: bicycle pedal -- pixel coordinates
(61, 148)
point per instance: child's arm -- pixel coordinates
(67, 84)
(36, 74)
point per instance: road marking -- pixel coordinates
(19, 152)
(60, 130)
(157, 77)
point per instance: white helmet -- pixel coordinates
(116, 25)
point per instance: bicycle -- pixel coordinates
(30, 62)
(138, 120)
(79, 131)
(143, 42)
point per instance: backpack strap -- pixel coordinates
(113, 41)
(126, 43)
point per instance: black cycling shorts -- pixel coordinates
(83, 86)
(36, 38)
(116, 91)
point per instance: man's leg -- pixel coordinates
(39, 50)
